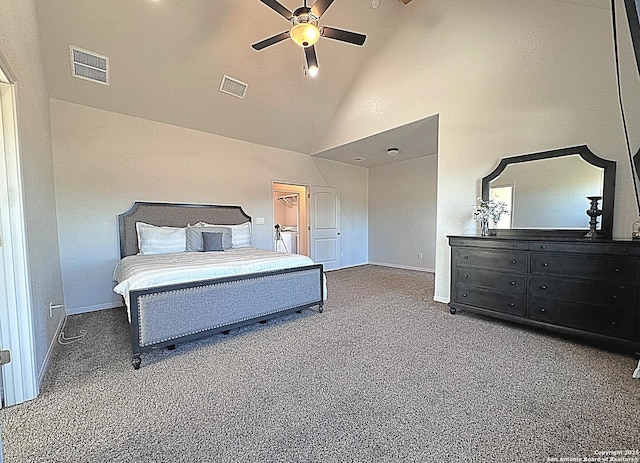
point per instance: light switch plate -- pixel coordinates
(259, 220)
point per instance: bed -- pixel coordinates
(177, 295)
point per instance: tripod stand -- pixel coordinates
(279, 239)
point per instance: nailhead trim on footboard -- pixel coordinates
(177, 312)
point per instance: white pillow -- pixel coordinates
(160, 240)
(240, 234)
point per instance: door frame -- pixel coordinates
(303, 211)
(19, 377)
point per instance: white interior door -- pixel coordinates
(5, 238)
(19, 377)
(324, 226)
(4, 301)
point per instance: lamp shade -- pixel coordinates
(304, 34)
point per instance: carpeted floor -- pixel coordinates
(384, 374)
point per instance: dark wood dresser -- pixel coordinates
(587, 288)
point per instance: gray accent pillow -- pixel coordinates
(195, 241)
(212, 241)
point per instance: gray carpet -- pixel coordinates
(384, 374)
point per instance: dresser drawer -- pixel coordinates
(616, 323)
(508, 282)
(592, 267)
(515, 261)
(513, 304)
(487, 242)
(619, 248)
(601, 293)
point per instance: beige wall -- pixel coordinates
(105, 161)
(20, 47)
(506, 77)
(402, 213)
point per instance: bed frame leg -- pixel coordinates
(320, 308)
(136, 361)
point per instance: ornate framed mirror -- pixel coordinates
(547, 192)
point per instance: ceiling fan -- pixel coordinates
(306, 32)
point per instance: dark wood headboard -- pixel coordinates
(172, 215)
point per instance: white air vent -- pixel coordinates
(233, 87)
(89, 65)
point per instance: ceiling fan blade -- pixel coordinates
(271, 41)
(342, 35)
(320, 6)
(311, 57)
(278, 8)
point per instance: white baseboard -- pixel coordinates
(47, 358)
(444, 300)
(347, 266)
(405, 267)
(93, 308)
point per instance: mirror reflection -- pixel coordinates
(548, 193)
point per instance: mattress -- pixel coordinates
(148, 271)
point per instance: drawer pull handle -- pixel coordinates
(613, 323)
(624, 250)
(543, 286)
(617, 270)
(515, 245)
(512, 304)
(513, 261)
(545, 264)
(464, 295)
(513, 283)
(466, 276)
(615, 296)
(544, 246)
(466, 257)
(543, 310)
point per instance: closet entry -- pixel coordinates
(290, 232)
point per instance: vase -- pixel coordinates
(484, 228)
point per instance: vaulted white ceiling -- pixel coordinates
(167, 59)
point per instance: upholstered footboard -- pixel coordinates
(167, 315)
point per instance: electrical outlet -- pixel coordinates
(419, 255)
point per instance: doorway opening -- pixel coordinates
(290, 214)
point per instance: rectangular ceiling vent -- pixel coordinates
(232, 86)
(89, 65)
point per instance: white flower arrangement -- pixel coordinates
(489, 210)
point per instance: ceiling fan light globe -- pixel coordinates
(304, 34)
(313, 71)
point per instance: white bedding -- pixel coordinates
(146, 271)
